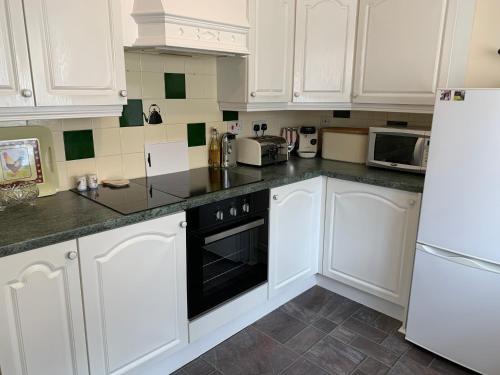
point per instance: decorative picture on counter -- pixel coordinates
(20, 161)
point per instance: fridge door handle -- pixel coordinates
(456, 258)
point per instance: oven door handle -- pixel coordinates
(233, 231)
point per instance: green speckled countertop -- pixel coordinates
(66, 215)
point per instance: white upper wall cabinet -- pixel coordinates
(265, 76)
(406, 49)
(76, 52)
(15, 77)
(324, 50)
(60, 59)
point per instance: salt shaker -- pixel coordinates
(81, 183)
(92, 181)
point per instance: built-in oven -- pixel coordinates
(227, 250)
(404, 149)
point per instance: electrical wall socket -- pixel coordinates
(259, 123)
(234, 127)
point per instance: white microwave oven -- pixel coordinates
(404, 149)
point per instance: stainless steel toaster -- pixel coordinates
(260, 151)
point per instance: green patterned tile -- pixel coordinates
(196, 135)
(79, 144)
(132, 114)
(175, 86)
(229, 116)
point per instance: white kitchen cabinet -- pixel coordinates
(295, 229)
(370, 237)
(266, 74)
(15, 76)
(41, 316)
(406, 49)
(61, 59)
(134, 291)
(324, 50)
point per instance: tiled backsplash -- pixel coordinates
(185, 90)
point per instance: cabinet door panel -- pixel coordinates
(271, 43)
(15, 74)
(324, 50)
(295, 227)
(76, 51)
(134, 287)
(399, 47)
(41, 316)
(370, 235)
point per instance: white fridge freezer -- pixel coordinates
(454, 306)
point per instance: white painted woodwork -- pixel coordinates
(324, 50)
(271, 42)
(15, 73)
(41, 315)
(294, 233)
(215, 27)
(265, 76)
(406, 49)
(134, 290)
(76, 52)
(370, 236)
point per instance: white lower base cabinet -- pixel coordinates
(134, 292)
(294, 233)
(41, 318)
(370, 237)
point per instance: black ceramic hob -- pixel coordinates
(196, 182)
(130, 199)
(151, 192)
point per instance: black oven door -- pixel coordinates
(226, 262)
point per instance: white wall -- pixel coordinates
(484, 62)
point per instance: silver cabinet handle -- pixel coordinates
(27, 93)
(123, 93)
(296, 94)
(183, 224)
(253, 94)
(275, 197)
(72, 255)
(234, 231)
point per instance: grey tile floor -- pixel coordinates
(320, 332)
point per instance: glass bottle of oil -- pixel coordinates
(214, 150)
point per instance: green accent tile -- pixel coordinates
(230, 115)
(196, 135)
(175, 86)
(78, 144)
(132, 114)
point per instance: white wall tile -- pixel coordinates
(201, 86)
(155, 133)
(174, 64)
(76, 168)
(13, 123)
(134, 165)
(151, 63)
(107, 142)
(77, 124)
(177, 132)
(64, 182)
(109, 167)
(153, 85)
(201, 65)
(54, 125)
(133, 61)
(198, 157)
(134, 85)
(106, 122)
(191, 110)
(58, 140)
(132, 139)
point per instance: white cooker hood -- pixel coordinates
(217, 27)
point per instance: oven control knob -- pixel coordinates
(233, 211)
(245, 208)
(219, 215)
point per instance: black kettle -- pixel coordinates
(154, 117)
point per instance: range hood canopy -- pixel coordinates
(217, 27)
